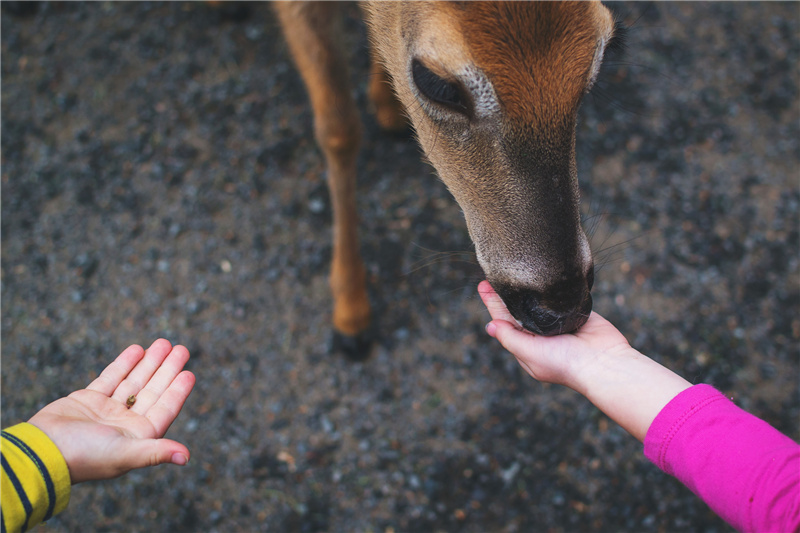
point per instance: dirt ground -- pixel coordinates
(160, 179)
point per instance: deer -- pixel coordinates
(492, 91)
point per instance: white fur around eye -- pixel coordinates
(481, 89)
(597, 60)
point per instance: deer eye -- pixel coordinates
(438, 90)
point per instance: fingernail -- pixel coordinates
(491, 329)
(179, 459)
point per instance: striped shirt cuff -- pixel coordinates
(35, 478)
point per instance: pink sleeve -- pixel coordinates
(743, 468)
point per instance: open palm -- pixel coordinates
(100, 437)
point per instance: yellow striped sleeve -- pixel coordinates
(35, 478)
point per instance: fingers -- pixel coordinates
(525, 346)
(494, 303)
(169, 404)
(503, 327)
(140, 375)
(161, 380)
(514, 340)
(110, 378)
(155, 378)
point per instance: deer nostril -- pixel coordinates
(536, 312)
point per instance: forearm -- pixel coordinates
(628, 387)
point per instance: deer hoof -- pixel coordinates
(354, 347)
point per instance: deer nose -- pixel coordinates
(563, 308)
(549, 322)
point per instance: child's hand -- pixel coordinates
(595, 361)
(551, 359)
(101, 437)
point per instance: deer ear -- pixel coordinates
(438, 90)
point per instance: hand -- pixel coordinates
(551, 359)
(595, 361)
(96, 432)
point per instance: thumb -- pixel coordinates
(142, 453)
(127, 455)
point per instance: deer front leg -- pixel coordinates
(311, 32)
(387, 108)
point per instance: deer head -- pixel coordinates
(493, 90)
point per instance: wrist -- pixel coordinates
(602, 367)
(628, 387)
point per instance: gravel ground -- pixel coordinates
(159, 178)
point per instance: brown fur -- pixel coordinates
(541, 60)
